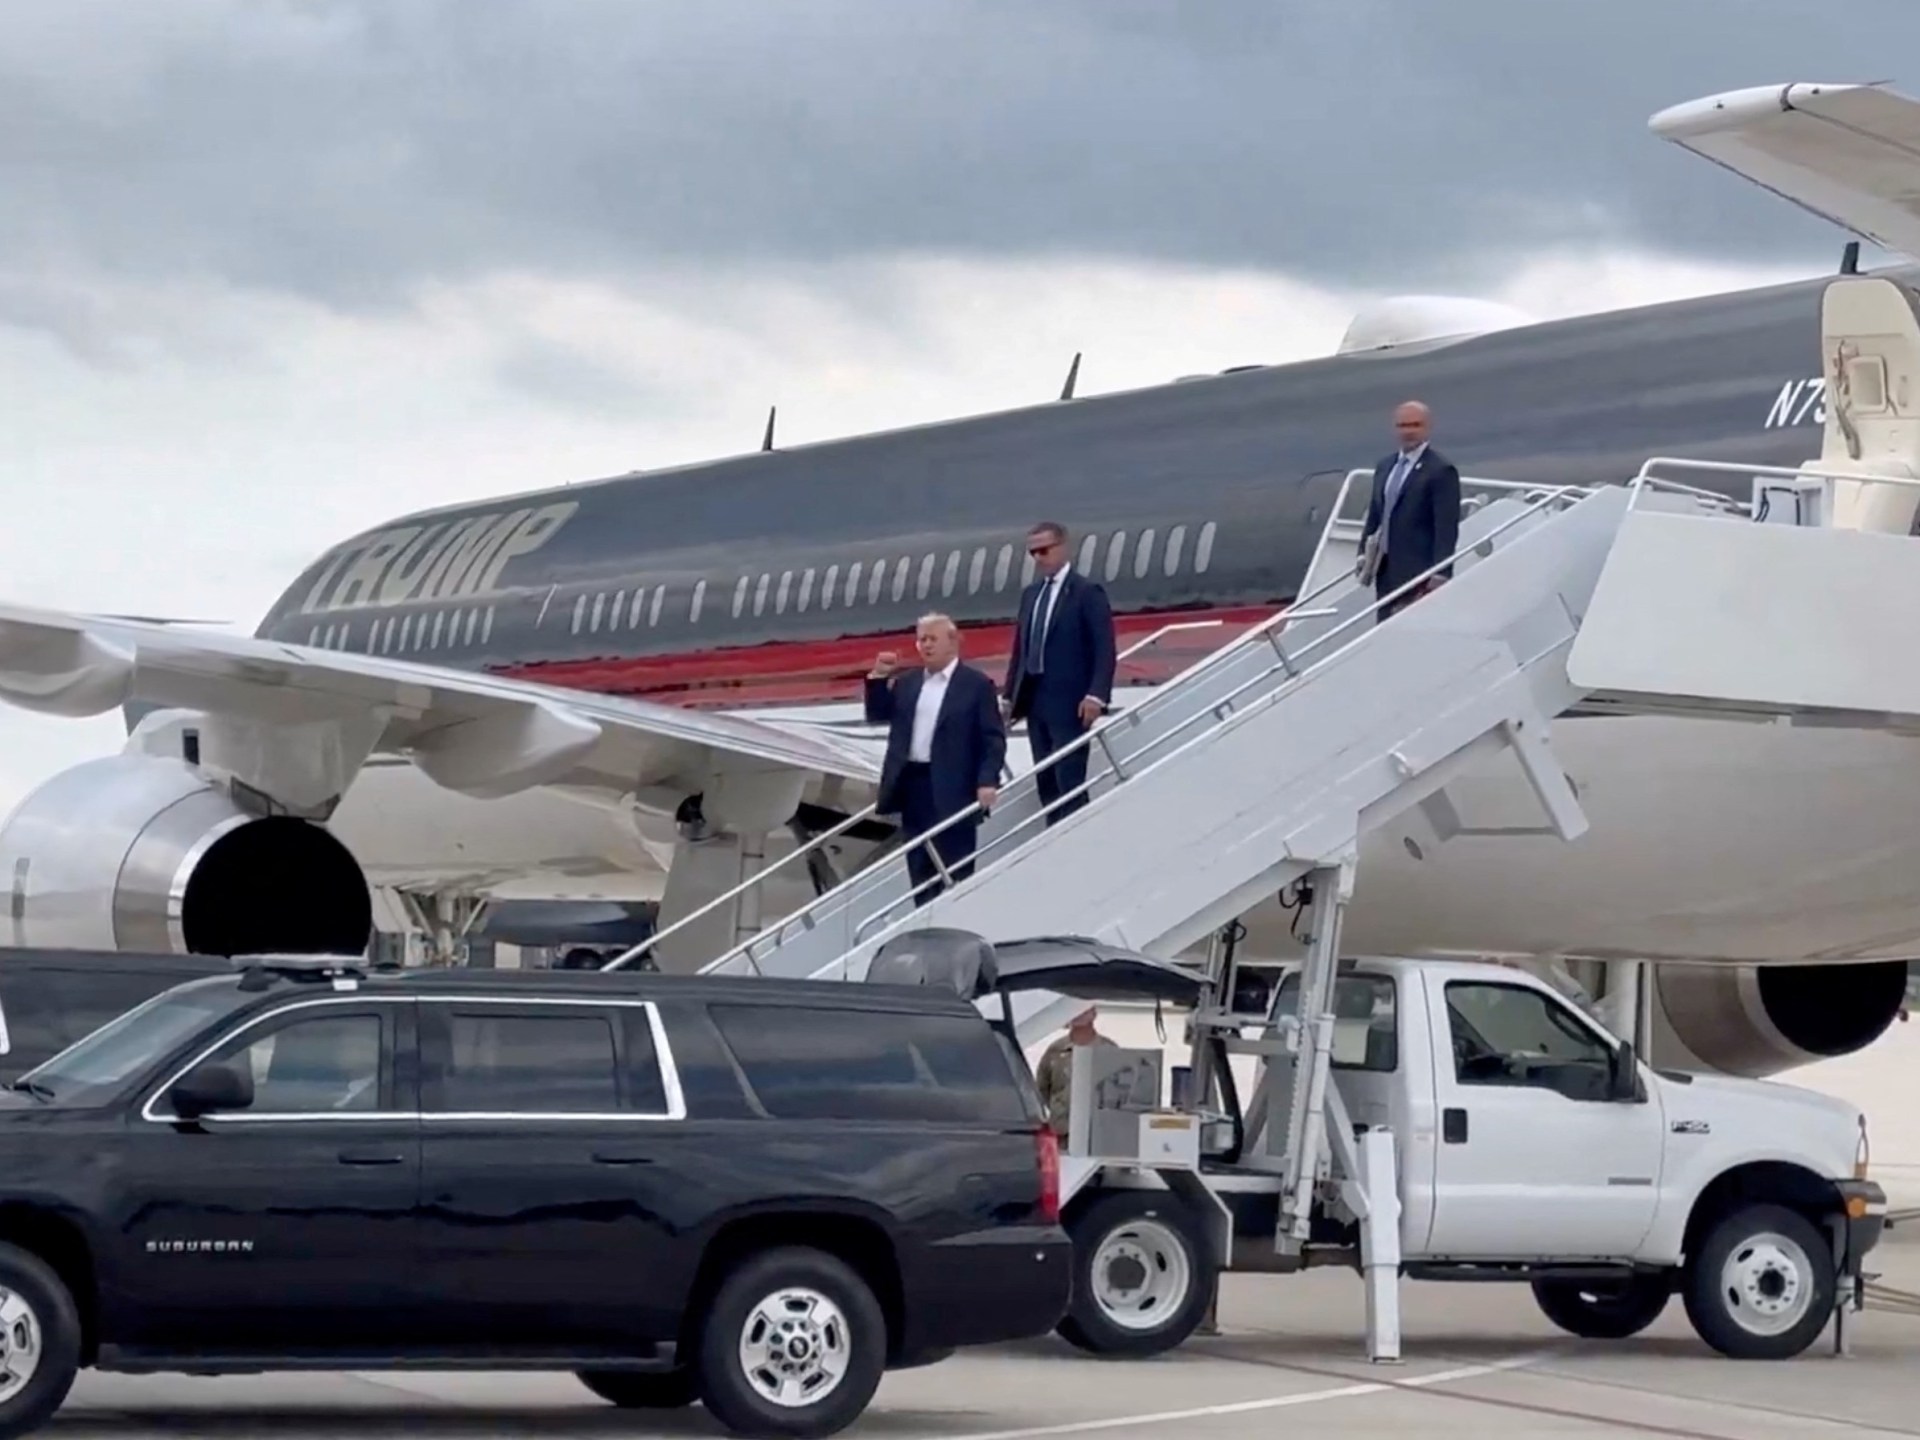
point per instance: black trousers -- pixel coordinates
(1393, 607)
(918, 815)
(1048, 731)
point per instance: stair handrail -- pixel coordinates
(825, 837)
(1097, 734)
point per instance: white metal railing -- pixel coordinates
(827, 837)
(1222, 712)
(1648, 477)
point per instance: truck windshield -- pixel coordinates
(96, 1064)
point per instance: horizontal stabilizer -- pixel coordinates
(1848, 153)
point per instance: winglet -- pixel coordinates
(1848, 153)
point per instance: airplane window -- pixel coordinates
(1116, 552)
(827, 586)
(659, 599)
(406, 632)
(373, 636)
(900, 577)
(976, 570)
(313, 637)
(740, 596)
(1176, 542)
(950, 574)
(1089, 548)
(473, 619)
(806, 588)
(780, 599)
(633, 608)
(1026, 572)
(760, 594)
(1143, 556)
(486, 629)
(599, 612)
(853, 584)
(1003, 567)
(693, 609)
(879, 574)
(438, 617)
(579, 613)
(1203, 552)
(619, 601)
(926, 577)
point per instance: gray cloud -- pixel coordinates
(348, 151)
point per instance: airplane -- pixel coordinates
(641, 687)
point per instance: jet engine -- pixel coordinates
(144, 853)
(1758, 1020)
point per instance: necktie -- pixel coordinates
(1037, 629)
(1395, 481)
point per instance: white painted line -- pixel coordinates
(1272, 1402)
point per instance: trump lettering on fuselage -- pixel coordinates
(444, 560)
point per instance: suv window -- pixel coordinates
(310, 1064)
(821, 1064)
(96, 1064)
(1366, 1030)
(1515, 1035)
(524, 1062)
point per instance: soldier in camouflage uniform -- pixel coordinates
(1054, 1075)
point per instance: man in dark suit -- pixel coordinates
(945, 746)
(1413, 520)
(1060, 674)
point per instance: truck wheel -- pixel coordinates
(39, 1342)
(1142, 1274)
(1604, 1310)
(1762, 1285)
(642, 1389)
(793, 1346)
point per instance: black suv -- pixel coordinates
(754, 1193)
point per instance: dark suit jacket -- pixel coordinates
(1079, 656)
(969, 740)
(1425, 528)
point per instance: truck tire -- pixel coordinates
(1761, 1286)
(1142, 1274)
(39, 1342)
(1604, 1310)
(793, 1346)
(642, 1389)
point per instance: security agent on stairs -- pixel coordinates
(1413, 519)
(945, 746)
(1060, 674)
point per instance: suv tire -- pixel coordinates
(37, 1317)
(1762, 1284)
(1604, 1310)
(642, 1389)
(798, 1316)
(1142, 1274)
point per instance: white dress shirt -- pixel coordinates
(926, 712)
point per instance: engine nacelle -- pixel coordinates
(1758, 1020)
(143, 853)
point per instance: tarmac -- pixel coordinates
(1478, 1359)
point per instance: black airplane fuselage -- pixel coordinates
(772, 577)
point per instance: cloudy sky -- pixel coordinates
(273, 270)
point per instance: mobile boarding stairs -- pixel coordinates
(1267, 763)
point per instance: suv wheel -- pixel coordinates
(793, 1345)
(1141, 1274)
(642, 1389)
(1762, 1285)
(1604, 1310)
(39, 1341)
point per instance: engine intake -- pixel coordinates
(142, 853)
(1758, 1020)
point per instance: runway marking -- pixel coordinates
(1271, 1402)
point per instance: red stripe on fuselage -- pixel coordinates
(807, 672)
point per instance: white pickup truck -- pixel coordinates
(1529, 1144)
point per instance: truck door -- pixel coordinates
(1533, 1159)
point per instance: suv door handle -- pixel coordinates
(1453, 1126)
(621, 1157)
(370, 1156)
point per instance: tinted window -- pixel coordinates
(120, 1048)
(48, 1007)
(1512, 1035)
(1366, 1033)
(311, 1064)
(862, 1065)
(519, 1063)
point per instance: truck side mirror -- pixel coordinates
(1623, 1074)
(207, 1088)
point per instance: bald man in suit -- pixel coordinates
(1413, 519)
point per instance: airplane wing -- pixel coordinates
(477, 734)
(1848, 153)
